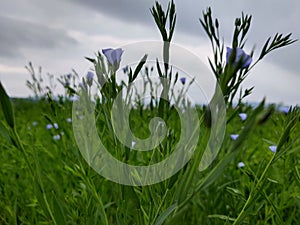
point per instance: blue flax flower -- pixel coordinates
(182, 80)
(55, 125)
(241, 165)
(284, 109)
(49, 126)
(273, 148)
(240, 55)
(56, 137)
(234, 136)
(89, 78)
(113, 56)
(243, 116)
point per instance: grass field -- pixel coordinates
(63, 189)
(52, 172)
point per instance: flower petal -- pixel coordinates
(243, 116)
(182, 80)
(240, 55)
(241, 165)
(89, 78)
(273, 148)
(113, 56)
(234, 136)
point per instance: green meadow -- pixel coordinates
(236, 163)
(63, 189)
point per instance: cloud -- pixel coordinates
(58, 34)
(17, 35)
(269, 17)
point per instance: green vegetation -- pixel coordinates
(46, 175)
(64, 190)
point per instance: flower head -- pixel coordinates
(182, 80)
(113, 56)
(49, 126)
(241, 165)
(69, 120)
(82, 85)
(125, 69)
(55, 125)
(273, 148)
(284, 109)
(243, 116)
(234, 136)
(89, 78)
(56, 137)
(74, 98)
(239, 55)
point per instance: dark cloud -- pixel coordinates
(126, 10)
(16, 35)
(269, 17)
(47, 32)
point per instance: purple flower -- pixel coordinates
(56, 137)
(89, 78)
(74, 98)
(241, 165)
(273, 148)
(113, 56)
(240, 55)
(49, 126)
(284, 109)
(55, 125)
(182, 80)
(234, 136)
(82, 85)
(125, 69)
(243, 116)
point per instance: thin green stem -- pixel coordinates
(253, 193)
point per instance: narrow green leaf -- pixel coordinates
(90, 59)
(139, 67)
(58, 212)
(222, 217)
(7, 107)
(165, 214)
(274, 208)
(4, 132)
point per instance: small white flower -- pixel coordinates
(273, 148)
(56, 137)
(49, 126)
(234, 136)
(69, 120)
(241, 165)
(34, 123)
(243, 116)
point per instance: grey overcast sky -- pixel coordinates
(58, 34)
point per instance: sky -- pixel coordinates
(58, 34)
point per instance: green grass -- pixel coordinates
(63, 189)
